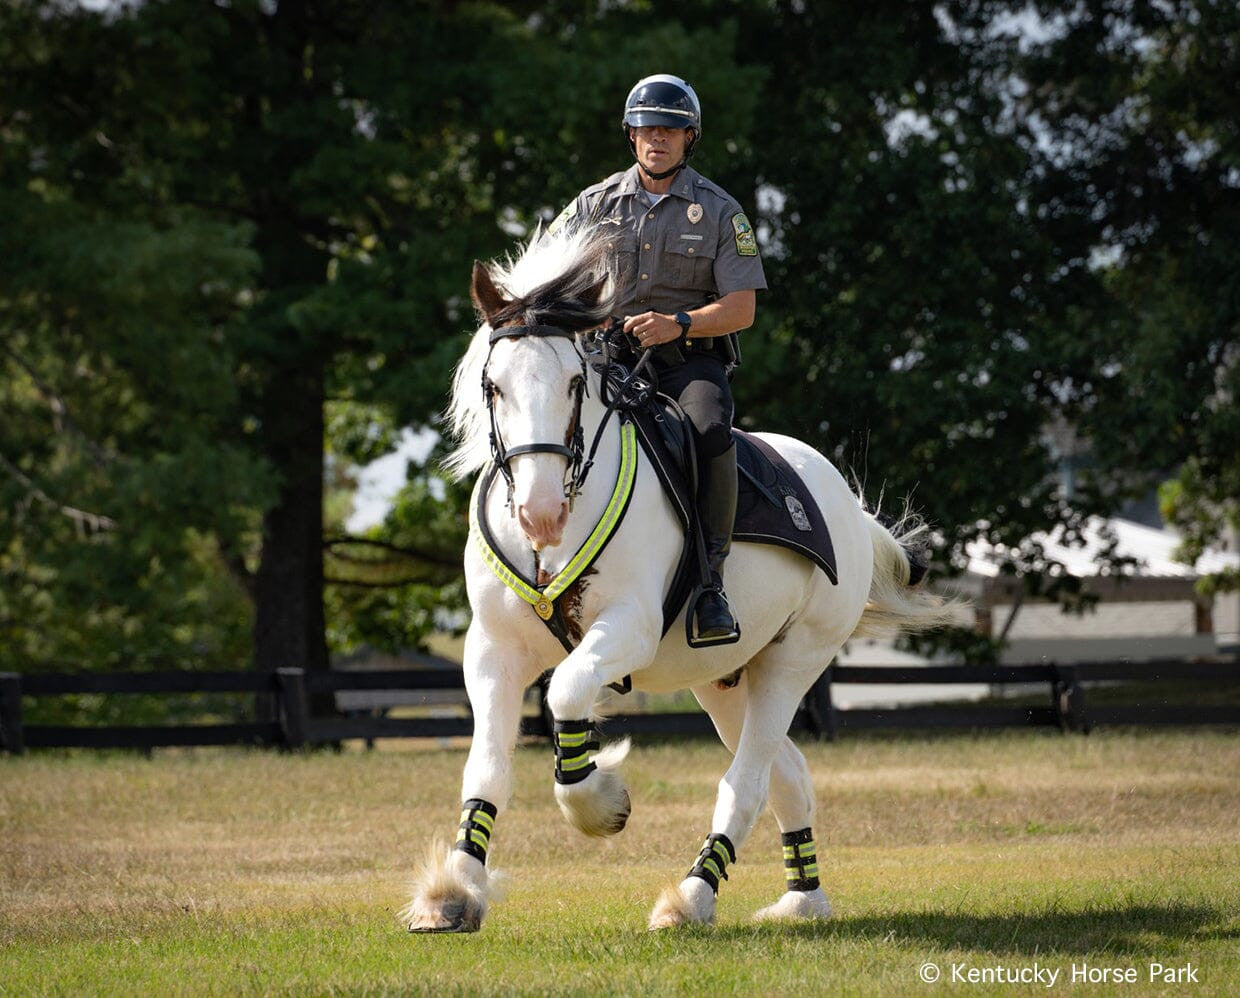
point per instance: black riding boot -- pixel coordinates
(717, 510)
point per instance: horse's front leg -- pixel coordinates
(589, 788)
(454, 887)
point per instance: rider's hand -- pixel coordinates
(652, 328)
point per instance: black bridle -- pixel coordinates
(573, 448)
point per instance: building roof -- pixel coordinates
(1152, 549)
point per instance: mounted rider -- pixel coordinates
(688, 270)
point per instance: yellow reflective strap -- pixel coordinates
(710, 864)
(599, 536)
(483, 819)
(575, 762)
(572, 740)
(475, 835)
(503, 573)
(722, 850)
(610, 519)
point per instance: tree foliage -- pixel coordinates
(238, 238)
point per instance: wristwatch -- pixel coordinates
(684, 320)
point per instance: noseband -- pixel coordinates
(573, 448)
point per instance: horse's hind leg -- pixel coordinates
(774, 691)
(791, 799)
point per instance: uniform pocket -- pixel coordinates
(690, 258)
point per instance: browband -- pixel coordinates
(517, 332)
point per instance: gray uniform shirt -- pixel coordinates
(692, 247)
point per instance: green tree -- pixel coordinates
(1139, 104)
(347, 161)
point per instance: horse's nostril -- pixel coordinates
(542, 529)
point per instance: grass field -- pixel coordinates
(223, 872)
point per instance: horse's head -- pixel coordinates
(534, 383)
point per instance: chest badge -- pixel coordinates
(694, 214)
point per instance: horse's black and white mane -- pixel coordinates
(552, 282)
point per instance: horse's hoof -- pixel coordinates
(599, 805)
(458, 926)
(676, 907)
(797, 906)
(454, 916)
(621, 817)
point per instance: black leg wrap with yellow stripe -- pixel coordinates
(574, 741)
(713, 860)
(477, 823)
(800, 860)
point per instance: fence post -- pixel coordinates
(294, 707)
(1068, 700)
(11, 738)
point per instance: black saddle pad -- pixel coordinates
(774, 506)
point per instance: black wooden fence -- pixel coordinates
(1065, 704)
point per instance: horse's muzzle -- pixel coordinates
(543, 529)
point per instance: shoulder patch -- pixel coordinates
(746, 241)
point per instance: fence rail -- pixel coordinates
(294, 725)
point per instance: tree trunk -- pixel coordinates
(289, 620)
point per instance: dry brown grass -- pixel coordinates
(107, 846)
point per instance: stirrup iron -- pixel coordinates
(695, 640)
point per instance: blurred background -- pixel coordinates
(1001, 240)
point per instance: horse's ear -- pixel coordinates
(482, 290)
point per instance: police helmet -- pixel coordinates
(663, 100)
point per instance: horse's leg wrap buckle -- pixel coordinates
(574, 741)
(713, 860)
(477, 822)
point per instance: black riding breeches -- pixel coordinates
(700, 386)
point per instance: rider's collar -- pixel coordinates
(686, 182)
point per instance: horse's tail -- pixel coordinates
(899, 600)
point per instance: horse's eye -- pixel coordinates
(574, 386)
(496, 394)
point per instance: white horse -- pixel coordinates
(519, 395)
